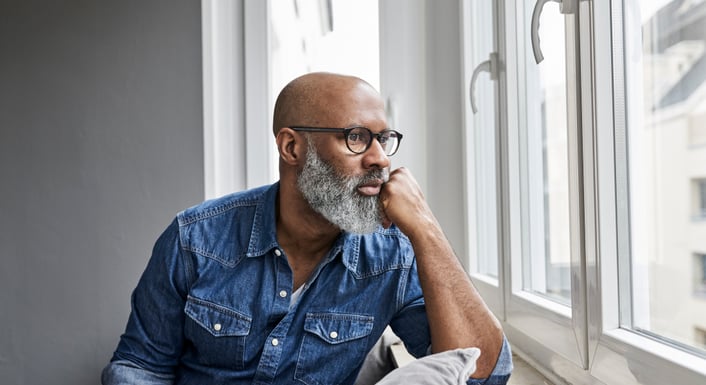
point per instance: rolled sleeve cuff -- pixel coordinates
(501, 372)
(123, 372)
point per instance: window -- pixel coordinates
(664, 79)
(523, 173)
(331, 35)
(543, 164)
(601, 161)
(481, 142)
(700, 274)
(699, 198)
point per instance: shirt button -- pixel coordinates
(275, 342)
(277, 252)
(333, 335)
(217, 327)
(283, 293)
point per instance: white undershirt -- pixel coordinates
(295, 296)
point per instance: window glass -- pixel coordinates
(481, 144)
(331, 35)
(543, 164)
(665, 74)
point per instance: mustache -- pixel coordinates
(375, 175)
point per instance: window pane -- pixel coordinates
(544, 165)
(666, 76)
(481, 144)
(333, 35)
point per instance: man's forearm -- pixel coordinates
(458, 316)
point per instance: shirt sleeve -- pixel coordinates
(124, 372)
(149, 350)
(412, 326)
(410, 322)
(501, 372)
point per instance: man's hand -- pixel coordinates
(403, 203)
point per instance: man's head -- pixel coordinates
(320, 97)
(321, 167)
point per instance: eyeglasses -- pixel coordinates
(359, 139)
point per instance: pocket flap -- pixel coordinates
(219, 320)
(336, 328)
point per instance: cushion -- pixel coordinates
(452, 367)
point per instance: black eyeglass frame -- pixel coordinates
(347, 131)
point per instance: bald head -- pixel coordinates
(322, 98)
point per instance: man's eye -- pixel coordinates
(354, 137)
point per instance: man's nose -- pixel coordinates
(375, 156)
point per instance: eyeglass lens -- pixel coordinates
(360, 138)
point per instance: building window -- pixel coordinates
(699, 198)
(700, 335)
(700, 274)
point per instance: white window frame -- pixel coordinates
(478, 128)
(239, 149)
(622, 355)
(539, 323)
(589, 344)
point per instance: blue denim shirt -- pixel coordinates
(213, 305)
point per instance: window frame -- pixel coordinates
(609, 352)
(529, 314)
(238, 153)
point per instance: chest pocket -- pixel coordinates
(217, 333)
(334, 344)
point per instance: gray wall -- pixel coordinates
(100, 145)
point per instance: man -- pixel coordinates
(295, 282)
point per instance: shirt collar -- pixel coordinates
(263, 235)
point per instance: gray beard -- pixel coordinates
(335, 196)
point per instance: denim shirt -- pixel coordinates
(213, 305)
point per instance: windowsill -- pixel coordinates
(647, 350)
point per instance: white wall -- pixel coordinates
(100, 145)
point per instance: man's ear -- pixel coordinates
(291, 146)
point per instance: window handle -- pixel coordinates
(490, 66)
(567, 7)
